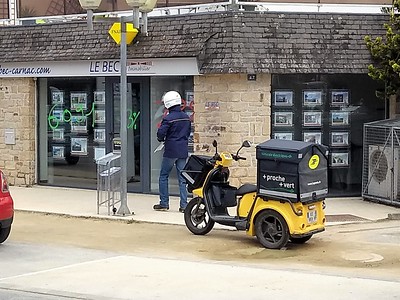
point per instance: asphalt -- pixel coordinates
(83, 203)
(108, 276)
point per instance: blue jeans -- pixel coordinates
(166, 167)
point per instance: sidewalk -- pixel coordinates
(80, 202)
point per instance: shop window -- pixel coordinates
(160, 85)
(331, 110)
(75, 120)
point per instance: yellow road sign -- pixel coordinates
(115, 32)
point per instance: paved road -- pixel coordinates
(10, 294)
(33, 269)
(63, 272)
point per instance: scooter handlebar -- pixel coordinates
(238, 157)
(213, 160)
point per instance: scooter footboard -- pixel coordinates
(223, 195)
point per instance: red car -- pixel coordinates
(6, 209)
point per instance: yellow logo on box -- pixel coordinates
(313, 162)
(115, 32)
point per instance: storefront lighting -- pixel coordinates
(147, 7)
(135, 4)
(89, 6)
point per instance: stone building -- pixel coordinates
(243, 75)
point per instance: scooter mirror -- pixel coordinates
(215, 144)
(246, 144)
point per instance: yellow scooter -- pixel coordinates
(286, 204)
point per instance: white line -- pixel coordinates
(61, 268)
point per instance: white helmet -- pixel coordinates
(171, 98)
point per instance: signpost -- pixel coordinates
(123, 34)
(123, 209)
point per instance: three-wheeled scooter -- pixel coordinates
(286, 204)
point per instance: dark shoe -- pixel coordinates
(160, 208)
(182, 210)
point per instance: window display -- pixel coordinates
(339, 97)
(283, 135)
(312, 118)
(99, 135)
(331, 110)
(311, 98)
(78, 101)
(78, 123)
(312, 137)
(100, 116)
(339, 159)
(58, 116)
(57, 97)
(79, 146)
(283, 118)
(339, 138)
(99, 97)
(69, 106)
(99, 152)
(58, 151)
(340, 118)
(58, 134)
(283, 98)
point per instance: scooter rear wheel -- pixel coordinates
(197, 219)
(271, 230)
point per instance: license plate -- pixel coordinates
(312, 216)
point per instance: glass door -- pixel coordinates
(136, 95)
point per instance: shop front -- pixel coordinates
(79, 116)
(60, 85)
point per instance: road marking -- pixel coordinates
(62, 268)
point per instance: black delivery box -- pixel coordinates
(293, 170)
(196, 170)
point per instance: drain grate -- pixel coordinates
(344, 218)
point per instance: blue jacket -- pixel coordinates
(175, 131)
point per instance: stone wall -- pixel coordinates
(17, 112)
(231, 109)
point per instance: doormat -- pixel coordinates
(344, 218)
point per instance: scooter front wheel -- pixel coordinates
(271, 229)
(197, 219)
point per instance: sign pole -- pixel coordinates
(123, 209)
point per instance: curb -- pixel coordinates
(395, 216)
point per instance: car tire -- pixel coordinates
(4, 233)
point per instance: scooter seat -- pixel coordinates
(246, 188)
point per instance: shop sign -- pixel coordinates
(106, 67)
